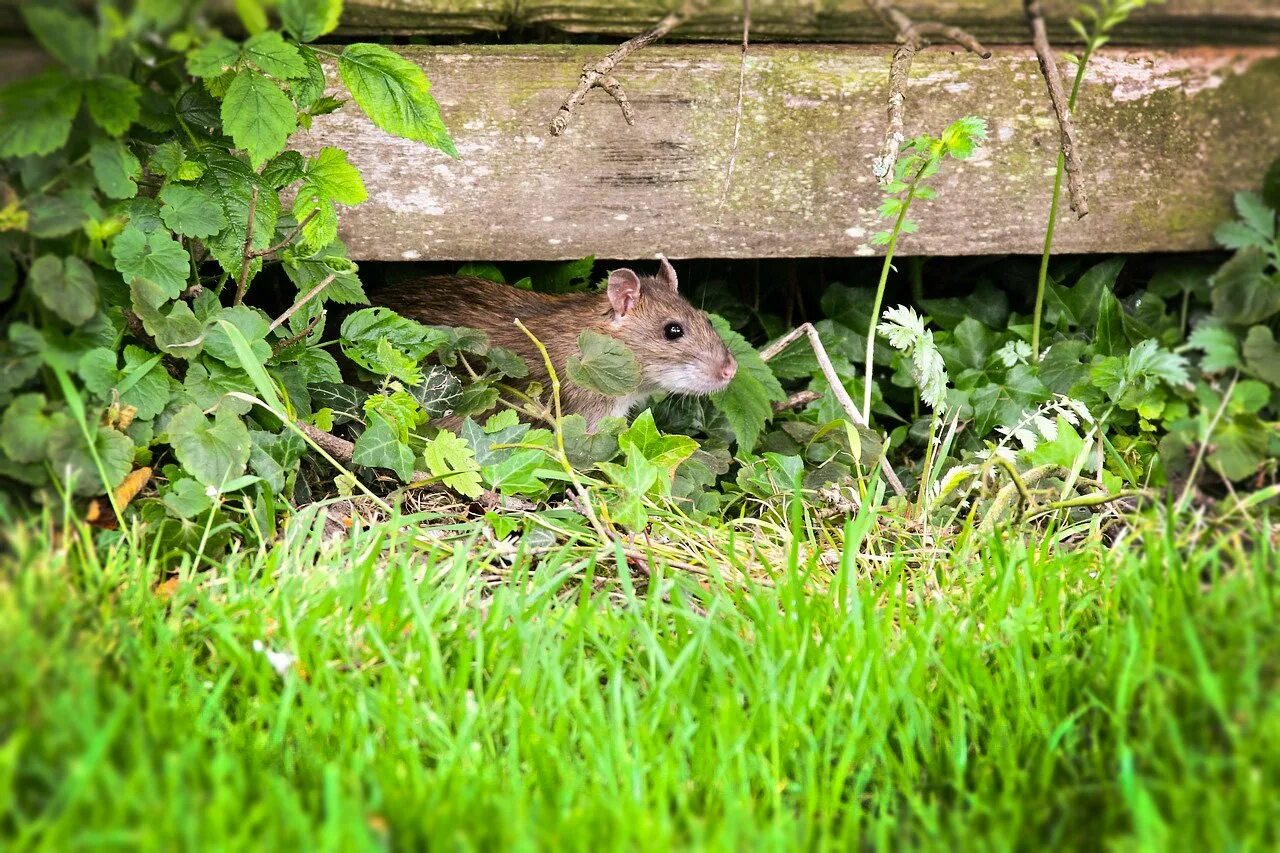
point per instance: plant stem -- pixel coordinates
(884, 278)
(1043, 278)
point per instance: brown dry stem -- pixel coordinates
(912, 37)
(1061, 106)
(600, 72)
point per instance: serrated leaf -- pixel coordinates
(213, 58)
(604, 364)
(176, 330)
(186, 498)
(66, 287)
(335, 178)
(155, 257)
(213, 451)
(115, 168)
(190, 212)
(273, 55)
(395, 94)
(1256, 213)
(452, 459)
(380, 447)
(364, 331)
(1242, 292)
(664, 451)
(1219, 345)
(36, 114)
(307, 20)
(113, 102)
(1262, 354)
(746, 401)
(398, 408)
(258, 116)
(284, 169)
(69, 38)
(231, 181)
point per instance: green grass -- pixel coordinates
(1000, 698)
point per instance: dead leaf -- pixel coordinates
(166, 590)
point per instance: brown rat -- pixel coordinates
(675, 344)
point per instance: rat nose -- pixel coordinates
(729, 368)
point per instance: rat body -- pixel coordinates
(674, 343)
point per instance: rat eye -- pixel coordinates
(673, 331)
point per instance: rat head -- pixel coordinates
(676, 346)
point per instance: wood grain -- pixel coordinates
(1175, 22)
(1166, 137)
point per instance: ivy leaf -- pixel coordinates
(156, 257)
(438, 392)
(506, 468)
(113, 102)
(66, 287)
(214, 452)
(604, 364)
(307, 20)
(665, 451)
(380, 447)
(273, 55)
(36, 114)
(395, 94)
(70, 39)
(115, 168)
(453, 460)
(636, 478)
(586, 449)
(258, 116)
(190, 212)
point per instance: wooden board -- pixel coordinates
(1166, 138)
(1175, 22)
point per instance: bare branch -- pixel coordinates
(292, 235)
(283, 345)
(599, 73)
(242, 284)
(294, 308)
(837, 387)
(911, 37)
(1061, 107)
(795, 401)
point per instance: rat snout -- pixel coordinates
(729, 367)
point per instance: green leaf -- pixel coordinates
(1240, 445)
(368, 329)
(284, 169)
(664, 451)
(252, 14)
(231, 181)
(438, 392)
(176, 331)
(380, 447)
(252, 326)
(143, 383)
(604, 364)
(258, 116)
(1220, 346)
(395, 94)
(273, 55)
(1262, 355)
(1256, 213)
(1271, 186)
(72, 458)
(585, 449)
(335, 178)
(1063, 450)
(307, 20)
(213, 58)
(505, 468)
(70, 39)
(398, 408)
(635, 478)
(1242, 292)
(214, 452)
(115, 168)
(186, 498)
(66, 287)
(36, 114)
(190, 212)
(113, 102)
(25, 428)
(453, 460)
(155, 257)
(746, 401)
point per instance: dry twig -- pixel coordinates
(911, 37)
(837, 387)
(795, 401)
(599, 73)
(294, 308)
(1061, 106)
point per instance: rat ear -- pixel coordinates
(667, 273)
(624, 291)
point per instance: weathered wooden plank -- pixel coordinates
(1166, 138)
(1175, 22)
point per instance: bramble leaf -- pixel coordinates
(36, 114)
(273, 55)
(258, 116)
(71, 39)
(307, 20)
(395, 94)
